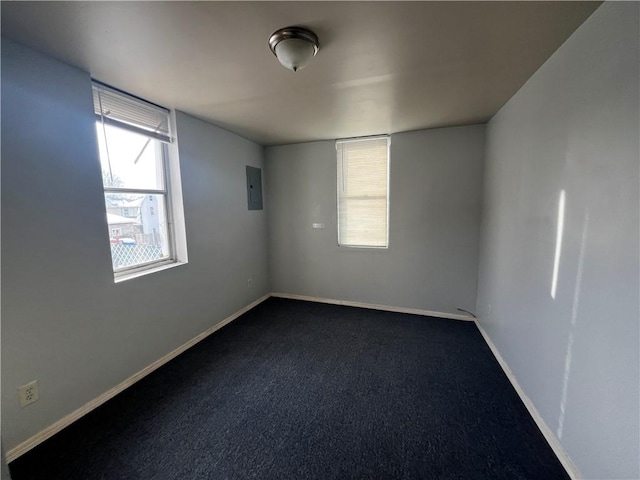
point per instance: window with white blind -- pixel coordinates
(363, 192)
(133, 138)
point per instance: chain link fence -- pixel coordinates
(130, 255)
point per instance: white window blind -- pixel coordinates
(120, 109)
(363, 192)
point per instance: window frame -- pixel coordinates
(165, 194)
(387, 186)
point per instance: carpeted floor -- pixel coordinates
(298, 390)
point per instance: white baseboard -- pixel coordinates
(48, 432)
(551, 438)
(373, 306)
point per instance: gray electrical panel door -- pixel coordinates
(254, 188)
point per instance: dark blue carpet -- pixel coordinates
(298, 390)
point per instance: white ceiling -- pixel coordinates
(383, 67)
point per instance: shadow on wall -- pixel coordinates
(4, 472)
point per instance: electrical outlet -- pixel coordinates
(28, 393)
(250, 282)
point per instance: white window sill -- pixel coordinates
(140, 273)
(349, 248)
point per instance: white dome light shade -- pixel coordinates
(294, 47)
(294, 53)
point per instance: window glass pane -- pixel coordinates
(365, 172)
(129, 160)
(363, 179)
(363, 222)
(138, 230)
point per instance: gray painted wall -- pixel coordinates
(64, 320)
(4, 468)
(573, 127)
(435, 195)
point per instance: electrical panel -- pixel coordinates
(254, 188)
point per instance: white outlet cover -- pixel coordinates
(28, 393)
(318, 225)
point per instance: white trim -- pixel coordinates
(48, 432)
(364, 139)
(157, 266)
(176, 202)
(548, 434)
(373, 306)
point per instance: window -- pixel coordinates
(133, 138)
(363, 192)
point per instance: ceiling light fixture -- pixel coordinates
(294, 47)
